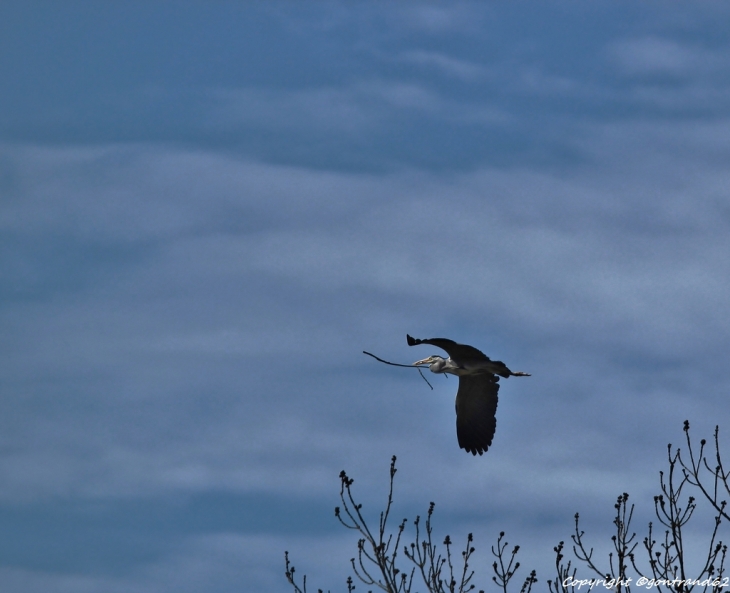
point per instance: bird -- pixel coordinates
(476, 398)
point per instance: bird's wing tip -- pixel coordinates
(475, 450)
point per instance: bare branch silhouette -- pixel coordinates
(663, 564)
(407, 366)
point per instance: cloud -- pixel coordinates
(438, 20)
(222, 561)
(226, 339)
(673, 76)
(357, 110)
(461, 69)
(184, 315)
(655, 56)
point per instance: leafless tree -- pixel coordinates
(386, 563)
(668, 566)
(377, 562)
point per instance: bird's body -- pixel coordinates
(476, 399)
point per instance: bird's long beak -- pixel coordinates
(424, 361)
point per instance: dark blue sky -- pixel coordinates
(209, 210)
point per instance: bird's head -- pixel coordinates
(431, 360)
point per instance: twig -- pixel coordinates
(407, 366)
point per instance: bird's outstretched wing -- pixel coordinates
(454, 350)
(476, 409)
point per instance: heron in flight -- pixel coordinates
(476, 399)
